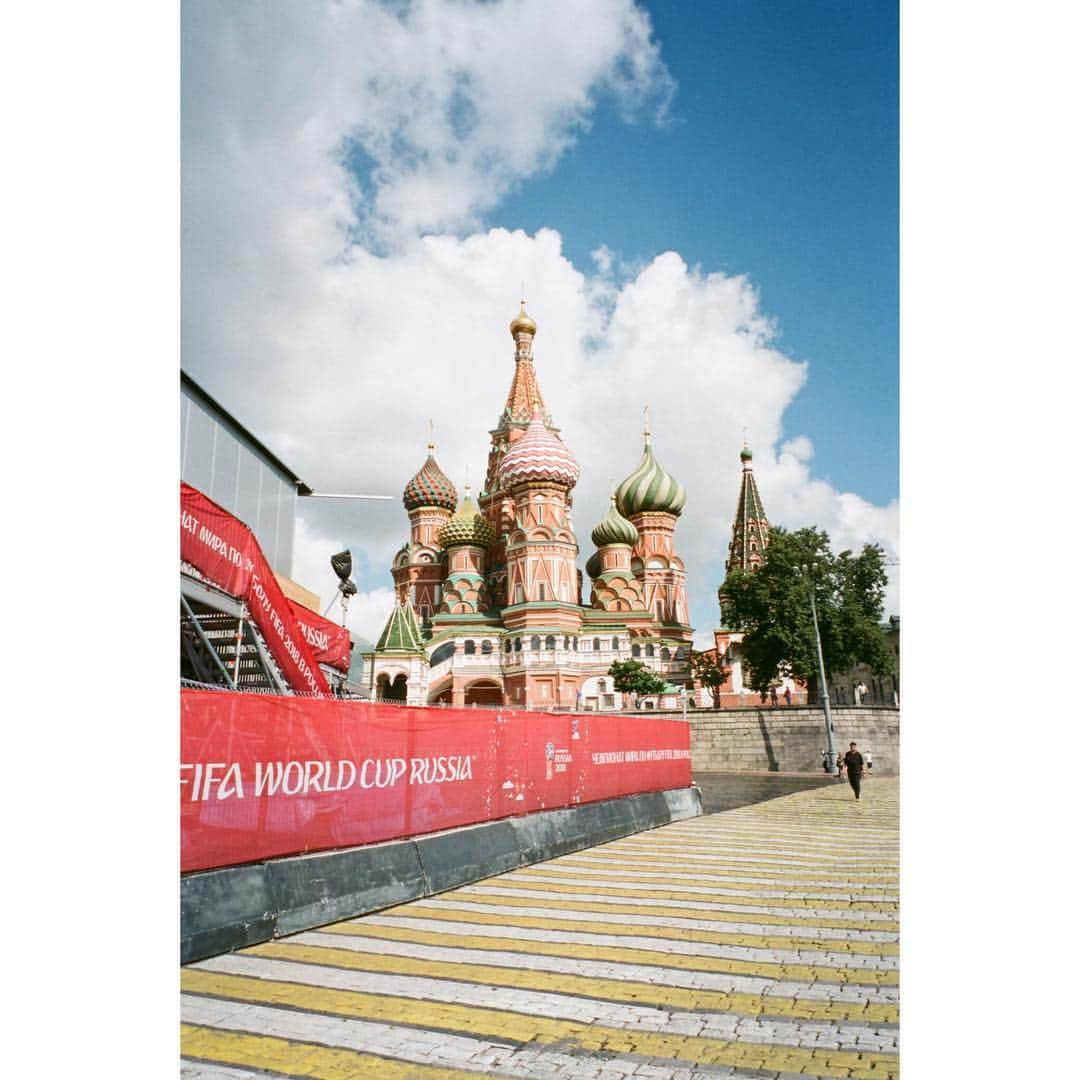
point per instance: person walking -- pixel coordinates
(787, 695)
(772, 696)
(853, 763)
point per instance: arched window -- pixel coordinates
(442, 653)
(659, 611)
(542, 596)
(636, 650)
(519, 594)
(566, 643)
(470, 648)
(485, 648)
(517, 644)
(508, 645)
(649, 650)
(534, 643)
(596, 644)
(549, 642)
(575, 640)
(665, 654)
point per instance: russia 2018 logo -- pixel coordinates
(549, 756)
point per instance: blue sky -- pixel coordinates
(779, 161)
(366, 186)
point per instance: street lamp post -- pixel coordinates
(821, 674)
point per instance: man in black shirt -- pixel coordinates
(853, 762)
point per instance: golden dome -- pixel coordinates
(523, 322)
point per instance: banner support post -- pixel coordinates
(239, 642)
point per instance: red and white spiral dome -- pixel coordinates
(538, 455)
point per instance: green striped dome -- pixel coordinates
(614, 529)
(467, 526)
(649, 488)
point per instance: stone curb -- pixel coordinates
(236, 906)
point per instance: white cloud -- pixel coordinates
(337, 353)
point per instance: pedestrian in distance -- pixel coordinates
(853, 763)
(787, 695)
(772, 697)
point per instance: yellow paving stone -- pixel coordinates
(289, 1058)
(884, 906)
(733, 880)
(761, 918)
(734, 865)
(499, 1024)
(815, 843)
(623, 955)
(629, 992)
(421, 910)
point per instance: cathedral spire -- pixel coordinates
(750, 532)
(524, 396)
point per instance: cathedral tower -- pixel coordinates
(653, 501)
(466, 538)
(750, 533)
(418, 569)
(615, 587)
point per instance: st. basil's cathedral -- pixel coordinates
(489, 600)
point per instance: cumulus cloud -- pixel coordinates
(339, 292)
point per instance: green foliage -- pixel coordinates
(633, 677)
(709, 669)
(771, 606)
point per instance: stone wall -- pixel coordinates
(790, 739)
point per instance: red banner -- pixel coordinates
(329, 642)
(224, 550)
(265, 776)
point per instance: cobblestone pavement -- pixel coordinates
(761, 942)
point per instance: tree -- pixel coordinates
(771, 606)
(710, 670)
(633, 677)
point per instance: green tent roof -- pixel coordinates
(402, 632)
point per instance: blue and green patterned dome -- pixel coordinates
(467, 526)
(649, 489)
(614, 529)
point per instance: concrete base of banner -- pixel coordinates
(226, 909)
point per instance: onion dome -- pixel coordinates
(538, 455)
(614, 529)
(649, 489)
(430, 487)
(594, 566)
(523, 322)
(745, 454)
(467, 526)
